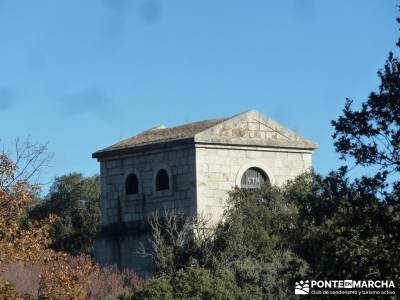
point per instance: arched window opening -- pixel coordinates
(162, 180)
(254, 178)
(131, 184)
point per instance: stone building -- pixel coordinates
(189, 168)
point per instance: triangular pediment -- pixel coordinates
(254, 129)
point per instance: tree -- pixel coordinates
(345, 230)
(75, 199)
(24, 164)
(178, 242)
(28, 242)
(254, 245)
(195, 284)
(17, 193)
(371, 135)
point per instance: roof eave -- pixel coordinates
(140, 148)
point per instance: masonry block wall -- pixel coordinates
(179, 162)
(133, 211)
(219, 169)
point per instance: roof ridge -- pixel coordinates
(196, 122)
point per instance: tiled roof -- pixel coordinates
(162, 134)
(249, 128)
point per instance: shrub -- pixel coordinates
(25, 276)
(8, 291)
(67, 277)
(190, 284)
(112, 283)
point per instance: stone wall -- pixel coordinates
(219, 169)
(119, 243)
(124, 251)
(179, 162)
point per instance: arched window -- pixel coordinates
(131, 184)
(254, 178)
(162, 180)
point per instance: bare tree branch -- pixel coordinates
(24, 164)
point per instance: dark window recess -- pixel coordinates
(162, 180)
(131, 184)
(254, 178)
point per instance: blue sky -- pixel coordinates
(81, 75)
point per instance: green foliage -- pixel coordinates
(179, 242)
(346, 231)
(252, 248)
(194, 284)
(157, 288)
(314, 227)
(76, 200)
(357, 232)
(254, 245)
(371, 135)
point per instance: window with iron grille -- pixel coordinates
(254, 178)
